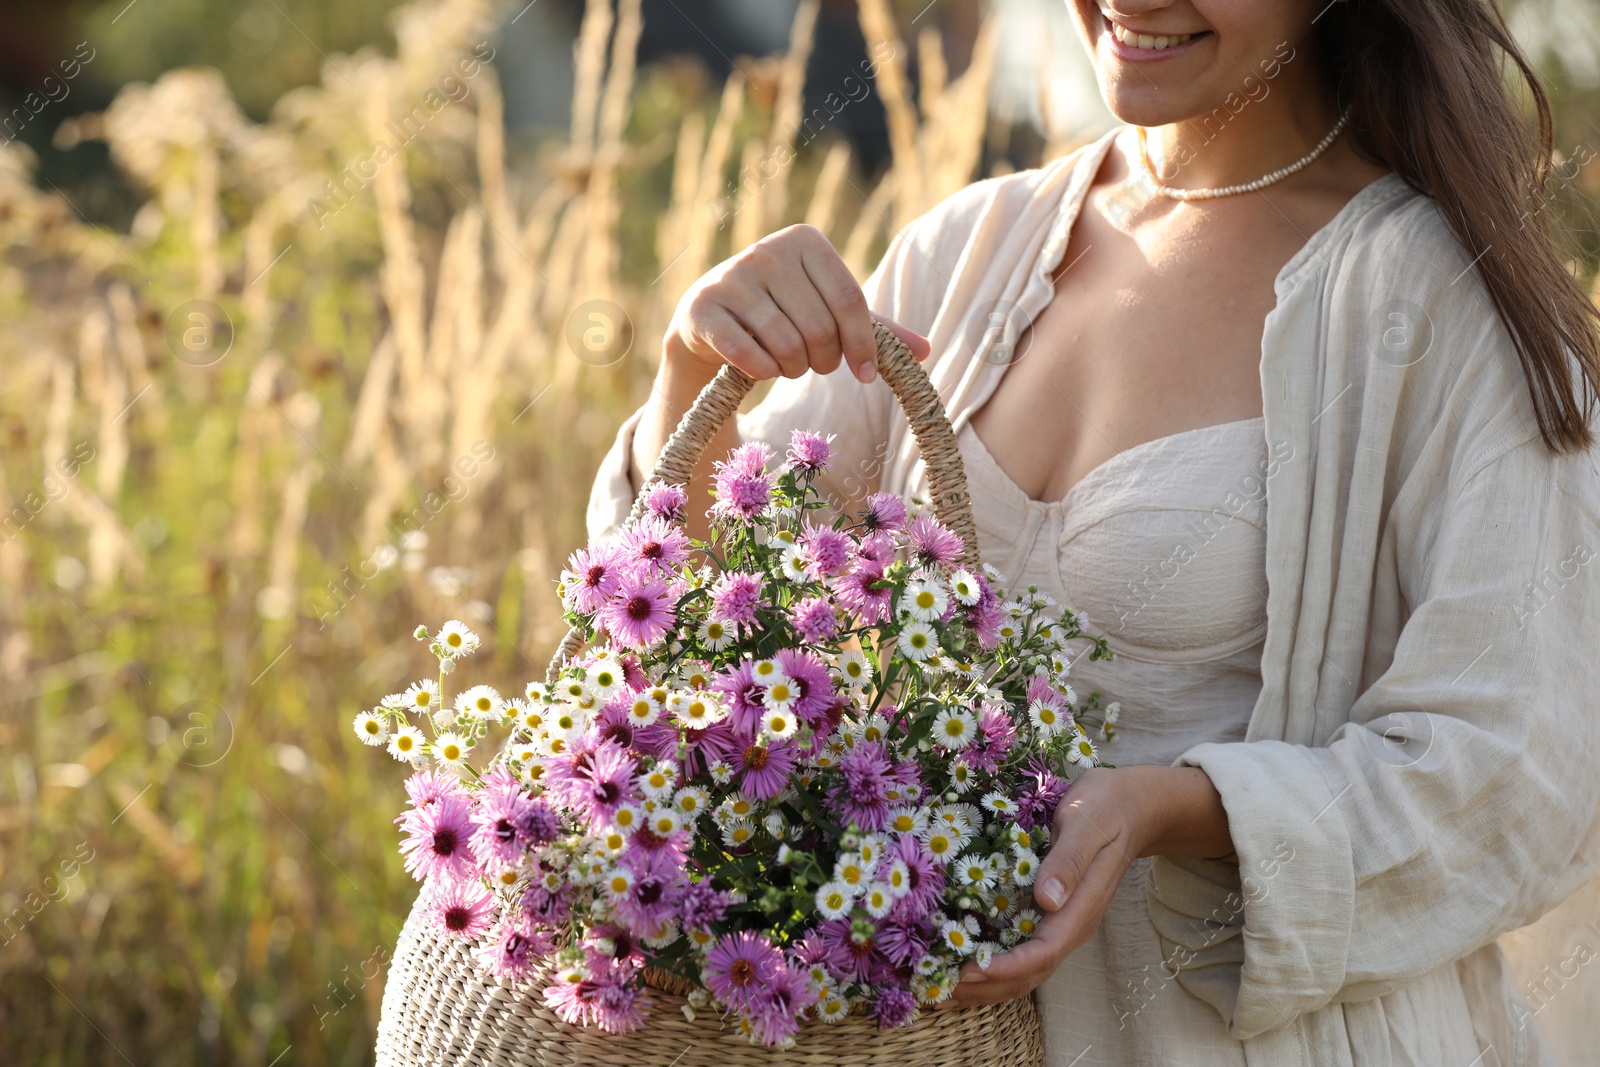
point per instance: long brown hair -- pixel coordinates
(1426, 83)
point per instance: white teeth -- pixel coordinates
(1144, 40)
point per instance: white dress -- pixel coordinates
(1147, 548)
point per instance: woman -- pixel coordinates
(1357, 741)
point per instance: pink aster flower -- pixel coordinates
(778, 1003)
(658, 884)
(861, 794)
(429, 784)
(512, 949)
(813, 620)
(591, 577)
(883, 511)
(738, 965)
(608, 998)
(856, 594)
(933, 542)
(461, 909)
(812, 683)
(436, 841)
(641, 612)
(827, 551)
(666, 501)
(808, 451)
(924, 877)
(878, 548)
(743, 485)
(764, 770)
(594, 777)
(894, 1006)
(655, 542)
(507, 821)
(735, 598)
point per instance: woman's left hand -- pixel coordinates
(1107, 819)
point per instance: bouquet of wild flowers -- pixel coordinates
(813, 775)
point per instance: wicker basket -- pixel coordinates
(440, 1009)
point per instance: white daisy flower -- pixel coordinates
(852, 872)
(1002, 899)
(877, 899)
(941, 845)
(930, 989)
(780, 694)
(834, 900)
(715, 635)
(371, 729)
(792, 562)
(775, 824)
(979, 871)
(1046, 718)
(960, 776)
(481, 702)
(693, 674)
(778, 724)
(737, 832)
(874, 728)
(833, 1008)
(720, 772)
(964, 587)
(450, 749)
(423, 696)
(958, 937)
(999, 804)
(627, 818)
(1026, 866)
(407, 744)
(643, 711)
(908, 820)
(394, 702)
(918, 641)
(605, 678)
(870, 848)
(954, 729)
(740, 807)
(660, 780)
(767, 671)
(1082, 752)
(457, 640)
(897, 879)
(664, 822)
(701, 709)
(983, 955)
(851, 665)
(925, 599)
(617, 882)
(1027, 922)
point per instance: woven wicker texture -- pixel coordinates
(439, 1009)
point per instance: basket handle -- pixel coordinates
(919, 400)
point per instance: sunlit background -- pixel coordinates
(287, 366)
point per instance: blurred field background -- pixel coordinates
(269, 400)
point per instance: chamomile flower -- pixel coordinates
(450, 749)
(954, 729)
(918, 641)
(481, 702)
(877, 899)
(925, 599)
(767, 671)
(1026, 866)
(1026, 923)
(957, 937)
(999, 804)
(792, 562)
(852, 872)
(832, 1008)
(627, 818)
(643, 711)
(664, 822)
(700, 711)
(407, 744)
(720, 772)
(908, 820)
(372, 729)
(617, 882)
(1003, 899)
(737, 832)
(778, 724)
(960, 776)
(423, 696)
(659, 781)
(851, 665)
(964, 587)
(457, 640)
(874, 728)
(1081, 752)
(834, 899)
(780, 694)
(983, 955)
(979, 871)
(691, 800)
(897, 879)
(1046, 718)
(941, 845)
(605, 678)
(715, 635)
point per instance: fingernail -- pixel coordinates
(979, 977)
(868, 371)
(1051, 892)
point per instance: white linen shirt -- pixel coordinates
(1421, 771)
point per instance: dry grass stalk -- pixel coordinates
(868, 224)
(589, 64)
(786, 115)
(883, 40)
(825, 193)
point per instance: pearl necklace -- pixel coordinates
(1246, 187)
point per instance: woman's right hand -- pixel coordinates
(785, 305)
